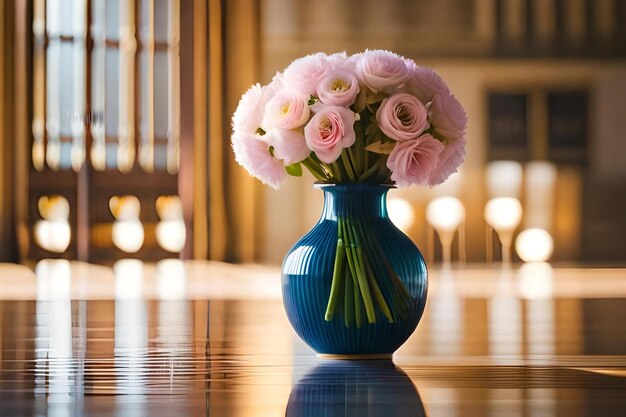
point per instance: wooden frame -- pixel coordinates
(89, 190)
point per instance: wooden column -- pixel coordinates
(22, 84)
(187, 114)
(201, 69)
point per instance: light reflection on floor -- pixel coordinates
(203, 338)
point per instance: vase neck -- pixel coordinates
(362, 200)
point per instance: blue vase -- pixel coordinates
(354, 286)
(355, 389)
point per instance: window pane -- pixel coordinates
(53, 111)
(508, 136)
(98, 19)
(161, 20)
(145, 10)
(66, 155)
(65, 18)
(111, 155)
(568, 126)
(161, 95)
(112, 91)
(146, 158)
(113, 19)
(66, 87)
(160, 156)
(98, 104)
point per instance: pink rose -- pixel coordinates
(303, 74)
(381, 70)
(449, 161)
(425, 83)
(402, 117)
(412, 161)
(329, 131)
(447, 116)
(288, 109)
(337, 60)
(338, 89)
(289, 145)
(249, 113)
(254, 155)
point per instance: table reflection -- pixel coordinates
(355, 389)
(174, 338)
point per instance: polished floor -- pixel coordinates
(206, 339)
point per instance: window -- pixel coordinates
(539, 123)
(106, 115)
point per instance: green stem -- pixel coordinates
(348, 297)
(335, 286)
(373, 169)
(335, 170)
(378, 294)
(354, 271)
(315, 169)
(358, 307)
(345, 158)
(360, 271)
(387, 267)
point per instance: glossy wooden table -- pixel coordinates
(204, 339)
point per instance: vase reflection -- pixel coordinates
(355, 388)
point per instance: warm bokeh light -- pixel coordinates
(503, 213)
(534, 245)
(54, 207)
(540, 182)
(169, 207)
(171, 235)
(53, 235)
(125, 207)
(53, 279)
(535, 280)
(54, 232)
(401, 213)
(129, 275)
(504, 179)
(445, 213)
(128, 235)
(170, 231)
(171, 279)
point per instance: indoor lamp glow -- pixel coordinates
(534, 245)
(127, 233)
(170, 231)
(53, 233)
(445, 215)
(504, 215)
(401, 213)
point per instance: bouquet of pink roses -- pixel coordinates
(372, 117)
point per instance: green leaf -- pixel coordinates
(383, 148)
(373, 98)
(311, 101)
(359, 102)
(294, 170)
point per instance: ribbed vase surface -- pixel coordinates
(308, 268)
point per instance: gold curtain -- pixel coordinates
(12, 118)
(232, 66)
(225, 64)
(5, 133)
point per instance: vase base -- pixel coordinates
(355, 357)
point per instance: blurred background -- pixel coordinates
(115, 126)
